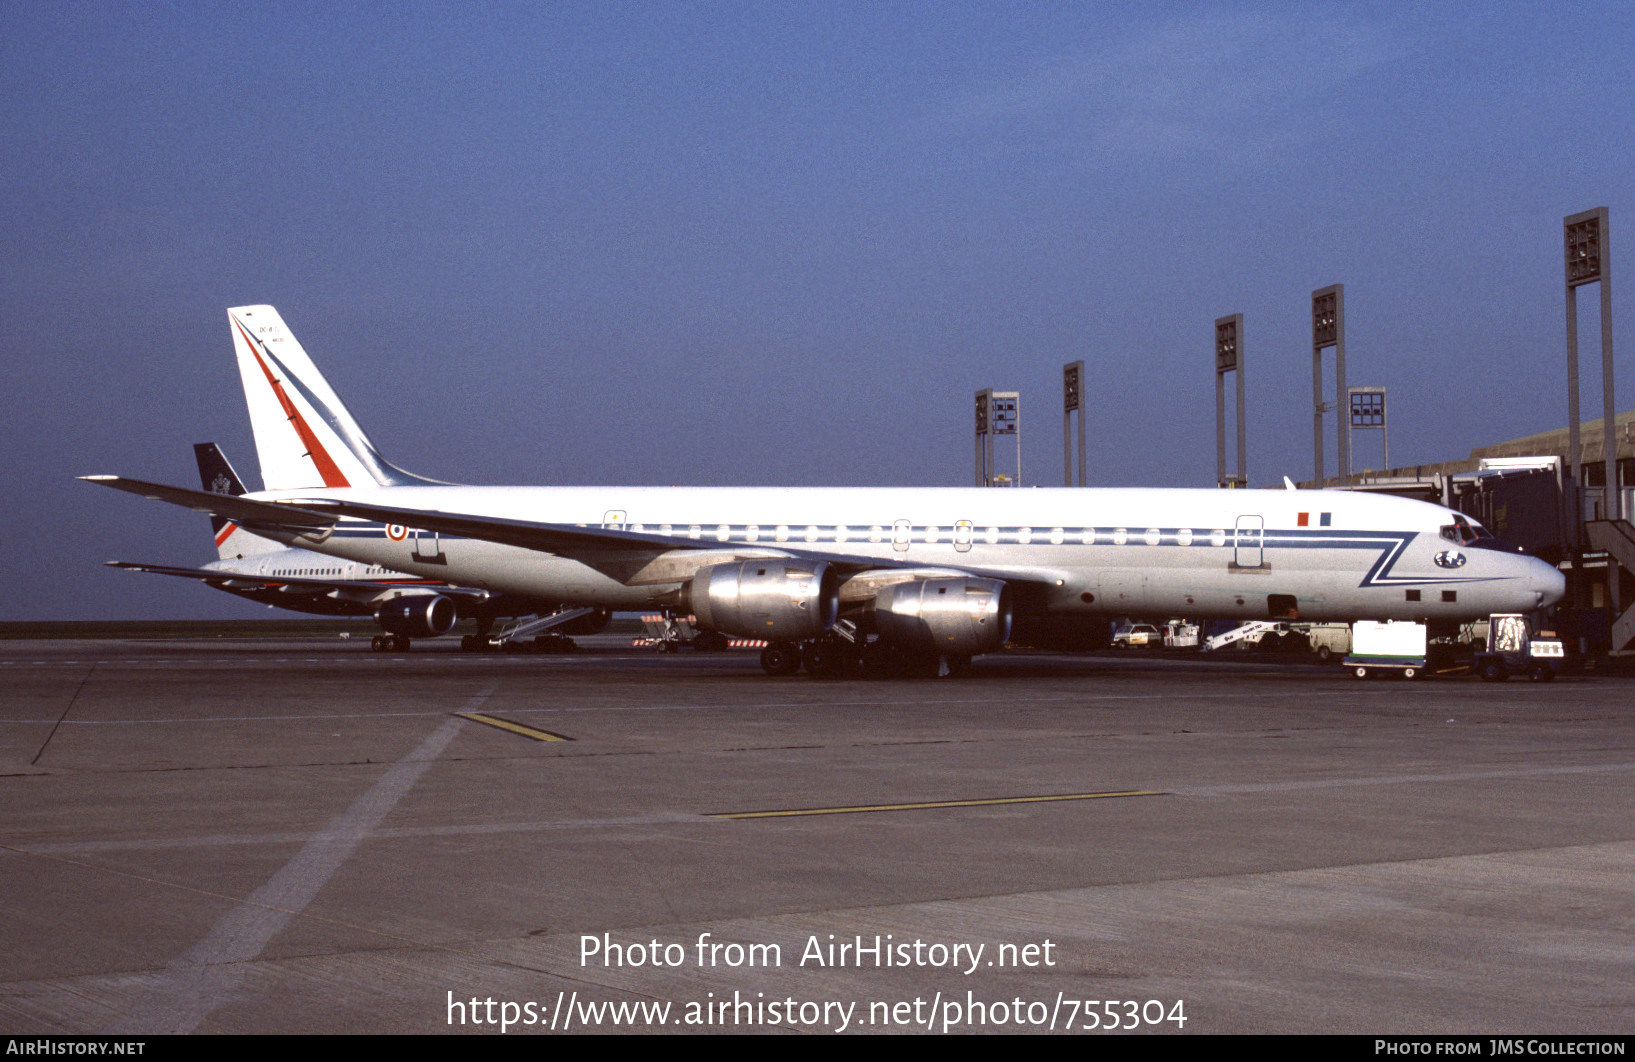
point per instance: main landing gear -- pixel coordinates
(390, 643)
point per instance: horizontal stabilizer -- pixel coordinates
(220, 575)
(240, 510)
(165, 569)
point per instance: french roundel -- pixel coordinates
(396, 532)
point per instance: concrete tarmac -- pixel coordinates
(303, 836)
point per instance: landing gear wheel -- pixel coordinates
(826, 659)
(379, 643)
(780, 658)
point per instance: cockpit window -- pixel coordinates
(1464, 532)
(1475, 536)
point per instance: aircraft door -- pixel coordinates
(427, 549)
(1248, 544)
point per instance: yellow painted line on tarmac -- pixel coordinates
(515, 728)
(924, 805)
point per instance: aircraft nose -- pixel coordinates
(1547, 582)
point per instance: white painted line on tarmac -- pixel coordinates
(207, 976)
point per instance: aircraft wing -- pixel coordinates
(568, 540)
(631, 556)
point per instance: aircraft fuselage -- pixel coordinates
(1325, 555)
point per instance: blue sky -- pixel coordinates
(769, 243)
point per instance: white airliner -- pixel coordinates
(302, 580)
(832, 575)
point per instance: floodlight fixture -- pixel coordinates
(1368, 413)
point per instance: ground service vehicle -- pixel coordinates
(1391, 646)
(1513, 649)
(1137, 634)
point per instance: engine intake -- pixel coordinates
(417, 616)
(956, 616)
(779, 600)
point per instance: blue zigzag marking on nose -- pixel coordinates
(1391, 544)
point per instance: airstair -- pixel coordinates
(532, 626)
(1238, 634)
(1617, 539)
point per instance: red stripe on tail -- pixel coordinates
(327, 468)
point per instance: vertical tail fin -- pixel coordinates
(304, 434)
(218, 477)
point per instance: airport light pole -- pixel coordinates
(1007, 420)
(997, 413)
(1072, 401)
(1228, 359)
(984, 451)
(1589, 261)
(1328, 330)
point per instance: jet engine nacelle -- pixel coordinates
(417, 616)
(774, 599)
(956, 616)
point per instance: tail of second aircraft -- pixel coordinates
(304, 434)
(218, 477)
